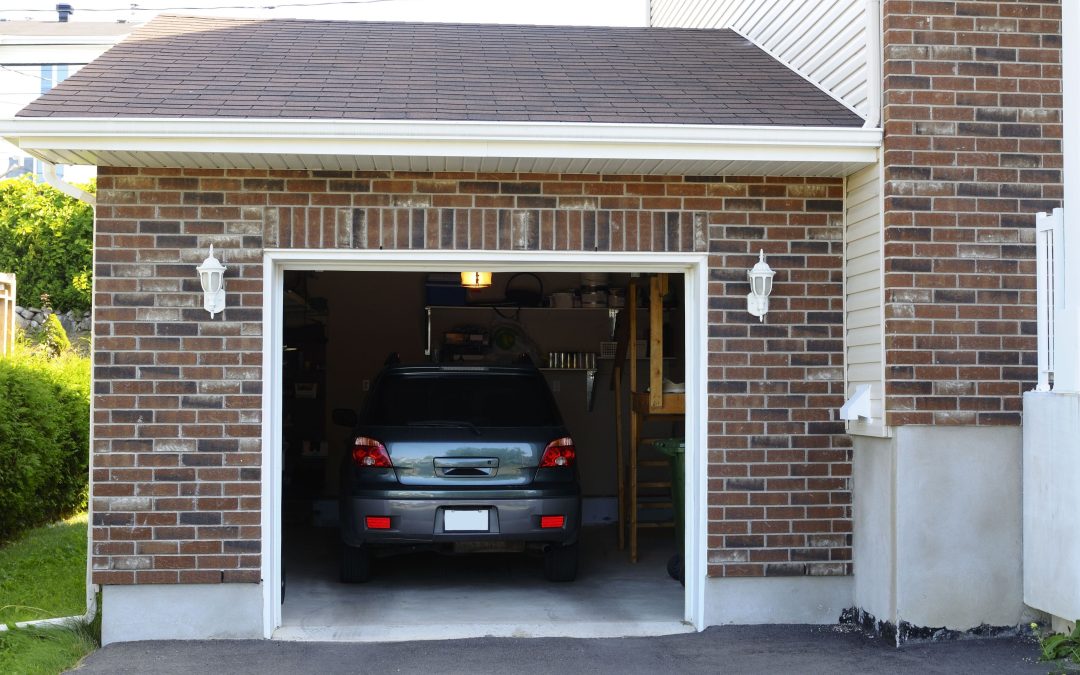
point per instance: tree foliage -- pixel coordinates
(46, 239)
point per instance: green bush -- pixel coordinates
(44, 438)
(53, 338)
(46, 239)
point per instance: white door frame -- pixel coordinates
(694, 267)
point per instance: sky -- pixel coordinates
(577, 12)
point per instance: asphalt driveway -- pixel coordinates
(731, 649)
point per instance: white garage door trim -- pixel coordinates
(693, 265)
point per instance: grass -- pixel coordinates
(43, 576)
(43, 573)
(45, 650)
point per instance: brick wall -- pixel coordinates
(177, 396)
(972, 117)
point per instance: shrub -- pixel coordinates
(46, 239)
(53, 338)
(44, 438)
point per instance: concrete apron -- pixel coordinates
(431, 597)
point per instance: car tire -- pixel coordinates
(675, 568)
(561, 562)
(355, 564)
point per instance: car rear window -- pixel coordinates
(483, 400)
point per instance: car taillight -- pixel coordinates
(552, 522)
(559, 452)
(378, 522)
(368, 452)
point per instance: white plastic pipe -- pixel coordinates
(48, 171)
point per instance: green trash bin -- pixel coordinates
(675, 449)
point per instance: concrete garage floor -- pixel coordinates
(425, 596)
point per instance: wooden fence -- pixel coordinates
(7, 313)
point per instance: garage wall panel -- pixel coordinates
(177, 406)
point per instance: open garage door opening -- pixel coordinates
(455, 522)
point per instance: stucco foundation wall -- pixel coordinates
(939, 522)
(809, 600)
(187, 612)
(874, 514)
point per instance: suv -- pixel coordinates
(459, 458)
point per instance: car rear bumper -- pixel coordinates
(423, 520)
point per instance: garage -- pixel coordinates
(213, 480)
(340, 323)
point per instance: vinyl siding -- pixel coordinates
(823, 40)
(863, 322)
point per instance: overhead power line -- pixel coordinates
(136, 8)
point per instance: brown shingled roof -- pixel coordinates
(209, 67)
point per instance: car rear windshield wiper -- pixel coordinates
(458, 424)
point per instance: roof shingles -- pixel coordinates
(208, 67)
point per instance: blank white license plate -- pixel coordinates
(465, 520)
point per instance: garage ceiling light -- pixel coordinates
(476, 279)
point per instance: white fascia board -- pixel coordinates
(446, 139)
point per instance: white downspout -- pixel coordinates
(873, 64)
(48, 172)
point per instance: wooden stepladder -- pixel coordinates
(650, 489)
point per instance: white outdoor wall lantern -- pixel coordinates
(212, 277)
(757, 300)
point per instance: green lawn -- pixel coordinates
(44, 651)
(43, 573)
(43, 576)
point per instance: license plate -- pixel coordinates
(465, 520)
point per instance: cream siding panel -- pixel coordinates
(823, 40)
(863, 221)
(864, 370)
(861, 309)
(864, 334)
(866, 247)
(863, 282)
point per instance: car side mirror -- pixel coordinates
(344, 417)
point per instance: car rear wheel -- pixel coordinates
(355, 564)
(561, 562)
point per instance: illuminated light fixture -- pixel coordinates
(212, 277)
(476, 279)
(761, 276)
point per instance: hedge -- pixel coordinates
(44, 438)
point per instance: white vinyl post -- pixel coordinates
(1067, 328)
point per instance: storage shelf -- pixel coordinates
(518, 308)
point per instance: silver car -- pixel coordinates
(459, 459)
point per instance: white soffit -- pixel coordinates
(411, 145)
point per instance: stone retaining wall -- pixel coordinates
(77, 325)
